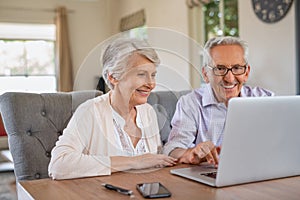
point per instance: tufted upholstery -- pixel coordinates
(164, 103)
(34, 122)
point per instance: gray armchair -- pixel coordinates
(34, 122)
(164, 103)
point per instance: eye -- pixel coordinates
(153, 75)
(220, 68)
(141, 74)
(237, 67)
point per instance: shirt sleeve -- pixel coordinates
(247, 91)
(184, 124)
(71, 157)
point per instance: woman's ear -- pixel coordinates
(112, 79)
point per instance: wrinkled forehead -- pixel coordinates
(140, 62)
(135, 59)
(227, 54)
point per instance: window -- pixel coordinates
(27, 61)
(221, 18)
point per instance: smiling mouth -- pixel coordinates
(229, 86)
(144, 92)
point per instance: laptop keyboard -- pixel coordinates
(210, 174)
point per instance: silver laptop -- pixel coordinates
(261, 142)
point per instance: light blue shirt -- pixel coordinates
(199, 117)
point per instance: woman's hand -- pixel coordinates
(153, 160)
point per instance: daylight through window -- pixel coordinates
(27, 61)
(221, 18)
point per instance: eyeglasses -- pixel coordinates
(221, 70)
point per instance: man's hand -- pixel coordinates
(205, 151)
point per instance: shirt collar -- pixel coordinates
(209, 97)
(243, 92)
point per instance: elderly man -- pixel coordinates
(199, 119)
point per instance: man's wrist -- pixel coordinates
(177, 152)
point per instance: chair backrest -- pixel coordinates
(34, 122)
(164, 103)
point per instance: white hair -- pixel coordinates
(226, 40)
(116, 57)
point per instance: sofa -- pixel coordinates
(34, 122)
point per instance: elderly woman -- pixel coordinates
(116, 131)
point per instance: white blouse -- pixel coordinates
(123, 138)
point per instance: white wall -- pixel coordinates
(171, 14)
(272, 50)
(168, 33)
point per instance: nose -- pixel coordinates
(150, 81)
(229, 77)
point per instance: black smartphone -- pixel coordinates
(153, 190)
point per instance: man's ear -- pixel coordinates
(247, 73)
(204, 74)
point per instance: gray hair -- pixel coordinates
(226, 40)
(116, 57)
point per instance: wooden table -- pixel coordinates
(90, 188)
